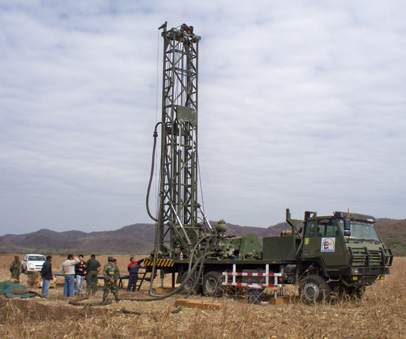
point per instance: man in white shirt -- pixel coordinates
(68, 270)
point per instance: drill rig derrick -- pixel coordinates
(185, 242)
(178, 228)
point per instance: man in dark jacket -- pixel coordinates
(46, 274)
(93, 267)
(133, 267)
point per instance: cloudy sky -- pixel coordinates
(302, 104)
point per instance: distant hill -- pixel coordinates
(135, 239)
(139, 239)
(394, 236)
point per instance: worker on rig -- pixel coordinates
(133, 268)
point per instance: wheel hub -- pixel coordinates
(311, 290)
(211, 285)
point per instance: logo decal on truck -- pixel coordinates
(328, 244)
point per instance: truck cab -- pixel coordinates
(344, 250)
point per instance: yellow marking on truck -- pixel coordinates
(159, 262)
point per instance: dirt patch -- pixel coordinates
(16, 310)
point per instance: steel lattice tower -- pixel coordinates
(178, 170)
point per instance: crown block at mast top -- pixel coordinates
(180, 34)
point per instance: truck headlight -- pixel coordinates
(355, 271)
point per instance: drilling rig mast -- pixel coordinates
(177, 220)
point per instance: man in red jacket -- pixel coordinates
(133, 267)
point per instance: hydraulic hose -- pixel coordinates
(191, 269)
(155, 135)
(179, 288)
(157, 297)
(195, 247)
(198, 275)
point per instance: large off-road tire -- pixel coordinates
(212, 286)
(313, 289)
(356, 293)
(197, 288)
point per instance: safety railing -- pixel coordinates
(271, 279)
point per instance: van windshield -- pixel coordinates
(36, 258)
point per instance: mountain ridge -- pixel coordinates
(139, 238)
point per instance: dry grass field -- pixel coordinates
(381, 314)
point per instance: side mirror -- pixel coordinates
(347, 227)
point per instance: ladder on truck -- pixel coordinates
(269, 282)
(142, 275)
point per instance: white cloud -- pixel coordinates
(301, 105)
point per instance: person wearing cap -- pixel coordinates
(15, 268)
(68, 270)
(111, 276)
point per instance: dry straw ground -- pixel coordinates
(381, 314)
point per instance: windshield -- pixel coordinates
(362, 230)
(36, 258)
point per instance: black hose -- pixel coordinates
(191, 269)
(198, 274)
(155, 135)
(161, 297)
(179, 288)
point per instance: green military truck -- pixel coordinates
(321, 254)
(340, 254)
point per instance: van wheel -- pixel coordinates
(212, 286)
(314, 289)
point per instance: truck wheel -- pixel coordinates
(189, 284)
(314, 289)
(356, 292)
(212, 286)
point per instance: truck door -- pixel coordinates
(323, 239)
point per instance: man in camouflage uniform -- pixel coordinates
(111, 276)
(15, 268)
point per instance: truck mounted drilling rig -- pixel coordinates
(339, 253)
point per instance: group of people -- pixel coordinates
(77, 268)
(72, 268)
